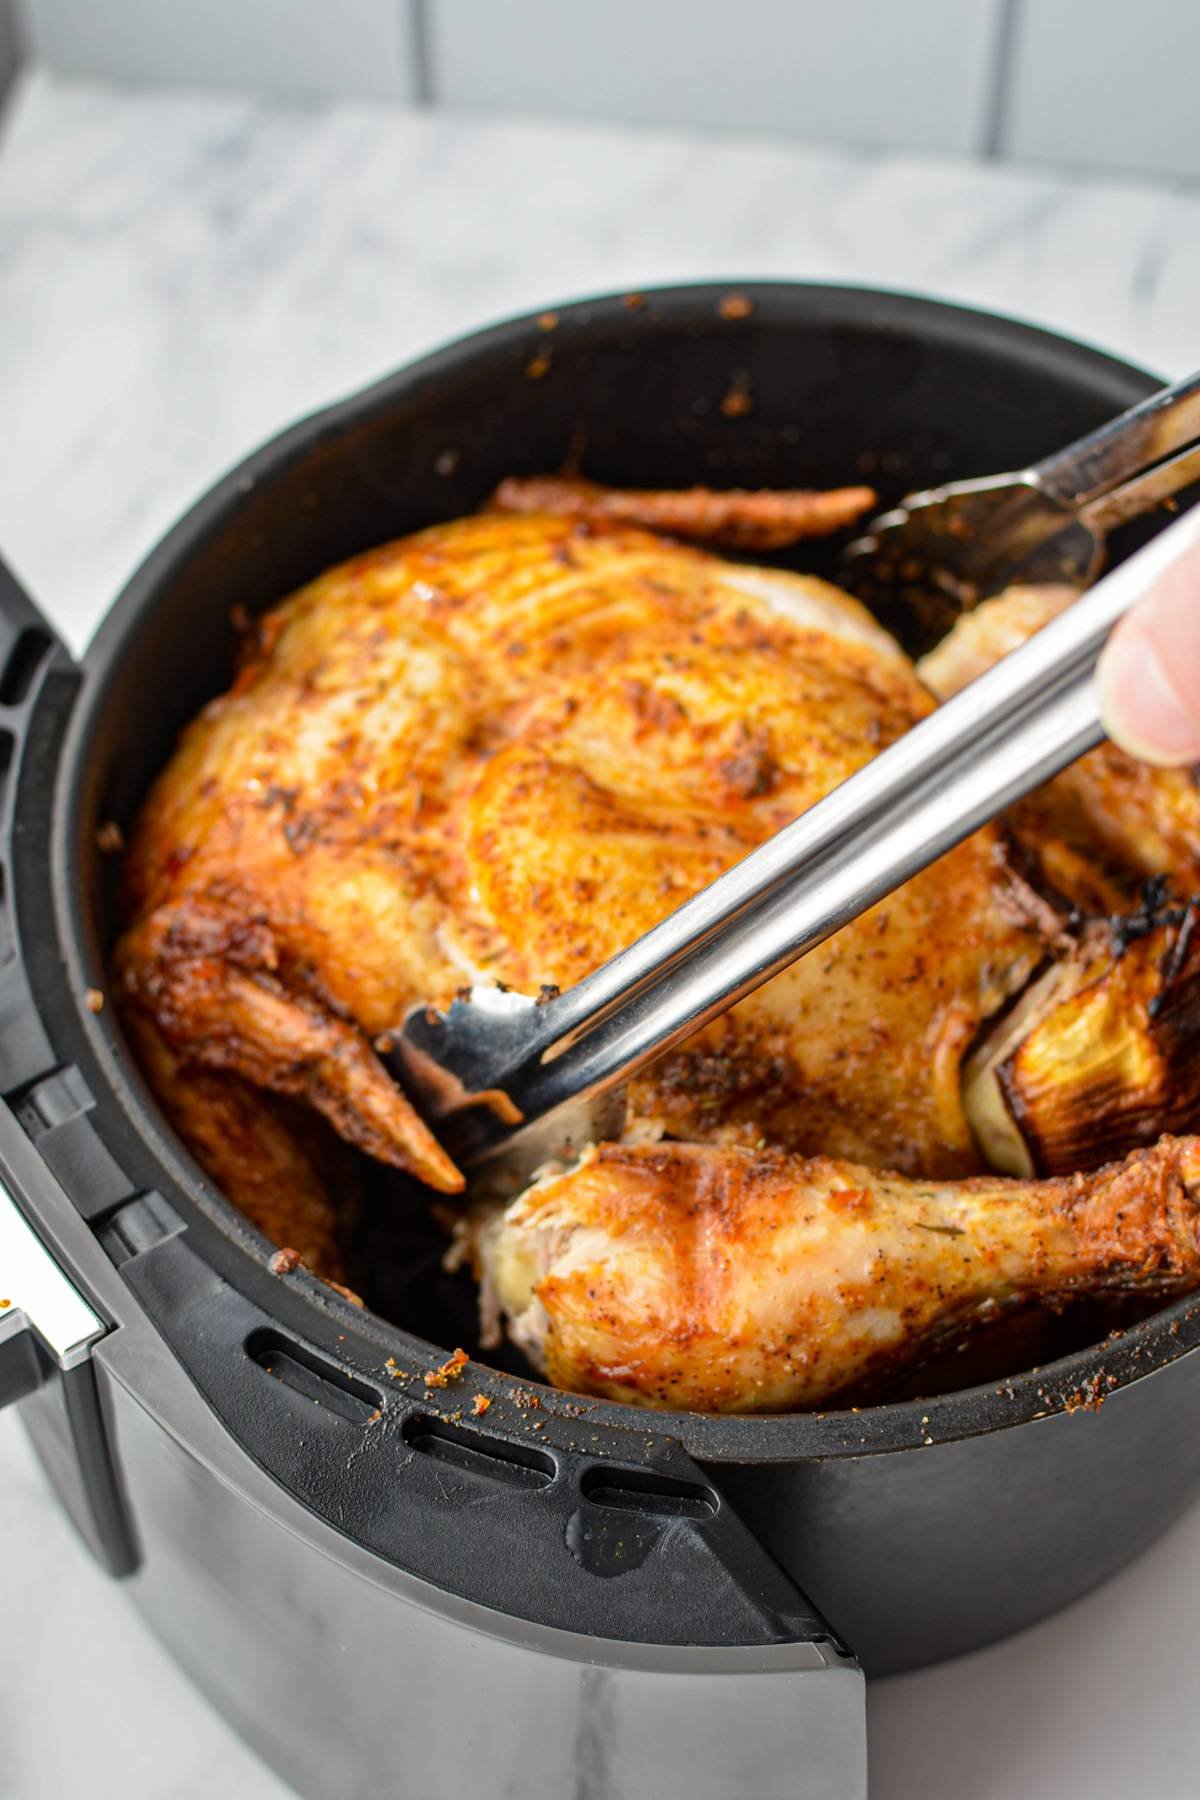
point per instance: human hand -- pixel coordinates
(1149, 674)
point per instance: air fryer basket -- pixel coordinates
(910, 1525)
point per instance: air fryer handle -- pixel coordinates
(48, 1324)
(45, 1322)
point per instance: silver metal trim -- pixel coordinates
(32, 1282)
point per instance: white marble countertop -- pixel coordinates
(179, 276)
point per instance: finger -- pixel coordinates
(1149, 674)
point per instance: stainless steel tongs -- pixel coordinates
(511, 1081)
(942, 550)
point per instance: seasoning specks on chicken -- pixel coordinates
(503, 748)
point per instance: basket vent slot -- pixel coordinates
(22, 665)
(518, 1465)
(648, 1491)
(313, 1377)
(8, 945)
(8, 745)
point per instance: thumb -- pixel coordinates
(1148, 676)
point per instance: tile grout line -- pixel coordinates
(1003, 63)
(420, 51)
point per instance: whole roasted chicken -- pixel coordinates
(503, 748)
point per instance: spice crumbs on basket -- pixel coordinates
(450, 1370)
(445, 462)
(635, 302)
(93, 999)
(1088, 1397)
(538, 366)
(480, 1404)
(735, 306)
(110, 839)
(385, 1043)
(284, 1261)
(548, 321)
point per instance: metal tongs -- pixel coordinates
(508, 1082)
(942, 551)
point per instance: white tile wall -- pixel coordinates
(1093, 83)
(293, 48)
(1108, 83)
(859, 71)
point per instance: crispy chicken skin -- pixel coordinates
(732, 1280)
(637, 784)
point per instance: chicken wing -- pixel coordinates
(278, 1162)
(738, 518)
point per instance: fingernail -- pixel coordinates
(1140, 707)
